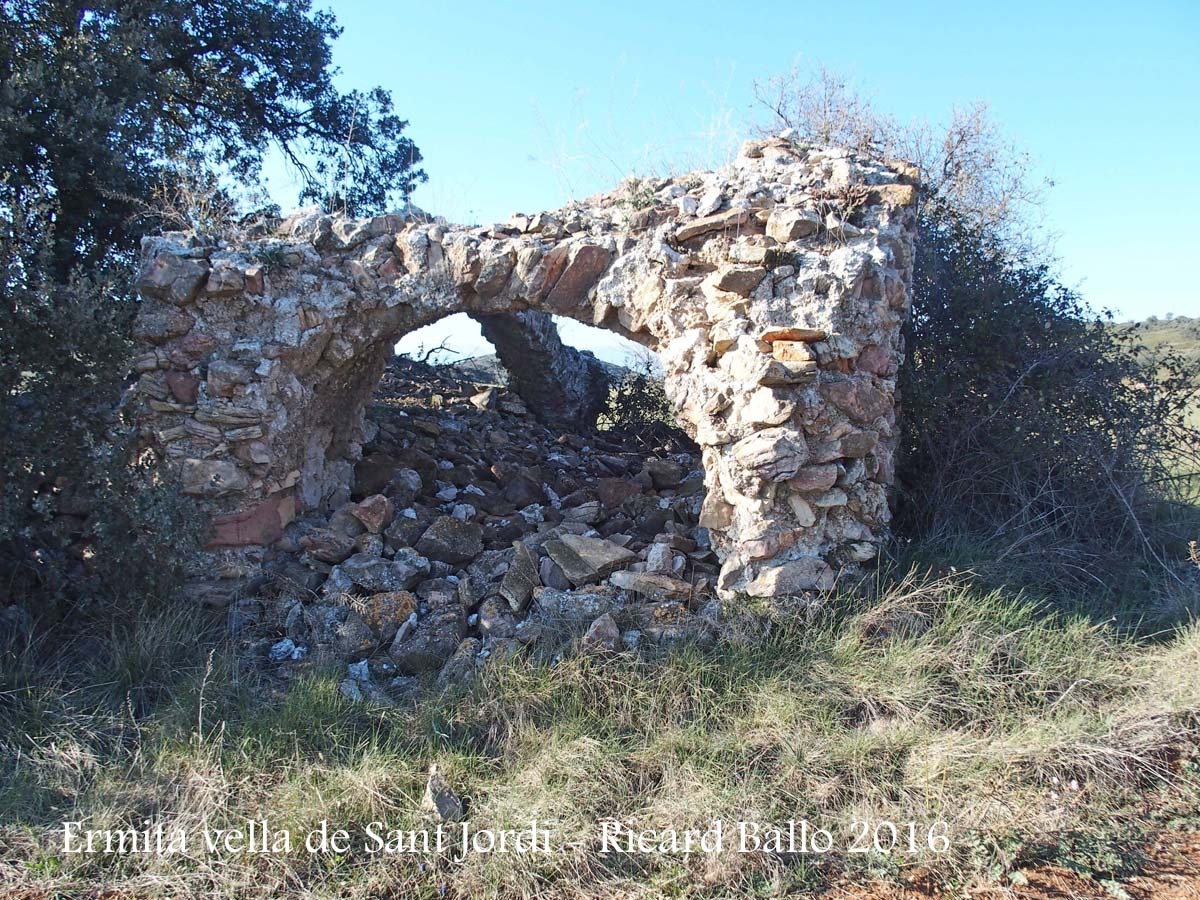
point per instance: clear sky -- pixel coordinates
(521, 106)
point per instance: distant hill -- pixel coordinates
(1159, 336)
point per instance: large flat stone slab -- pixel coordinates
(587, 560)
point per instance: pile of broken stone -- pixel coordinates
(472, 532)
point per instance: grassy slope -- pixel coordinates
(1180, 335)
(1031, 736)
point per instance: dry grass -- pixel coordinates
(1029, 735)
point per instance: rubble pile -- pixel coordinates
(472, 530)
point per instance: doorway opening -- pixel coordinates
(493, 528)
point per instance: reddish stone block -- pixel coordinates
(877, 360)
(261, 524)
(571, 288)
(255, 280)
(615, 491)
(185, 387)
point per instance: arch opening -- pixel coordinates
(544, 525)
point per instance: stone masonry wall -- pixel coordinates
(559, 384)
(773, 290)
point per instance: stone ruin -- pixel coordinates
(773, 291)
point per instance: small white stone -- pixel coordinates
(803, 512)
(835, 497)
(710, 202)
(532, 514)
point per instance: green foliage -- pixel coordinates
(114, 119)
(638, 194)
(98, 100)
(271, 257)
(1103, 855)
(1031, 426)
(1178, 335)
(1029, 421)
(80, 517)
(636, 398)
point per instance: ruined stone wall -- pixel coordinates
(773, 290)
(561, 385)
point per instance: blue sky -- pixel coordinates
(521, 106)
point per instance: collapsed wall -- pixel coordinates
(560, 385)
(773, 290)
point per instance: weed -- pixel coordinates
(638, 194)
(272, 257)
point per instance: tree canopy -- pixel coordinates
(97, 99)
(106, 110)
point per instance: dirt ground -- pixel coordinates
(1171, 872)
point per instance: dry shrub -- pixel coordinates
(1034, 431)
(638, 407)
(1033, 426)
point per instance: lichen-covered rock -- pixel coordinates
(327, 545)
(586, 560)
(451, 540)
(807, 574)
(379, 575)
(651, 584)
(384, 613)
(213, 477)
(172, 277)
(521, 579)
(435, 638)
(460, 667)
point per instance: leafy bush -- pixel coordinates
(80, 519)
(127, 117)
(1174, 334)
(1033, 429)
(98, 101)
(637, 404)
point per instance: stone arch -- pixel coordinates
(773, 291)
